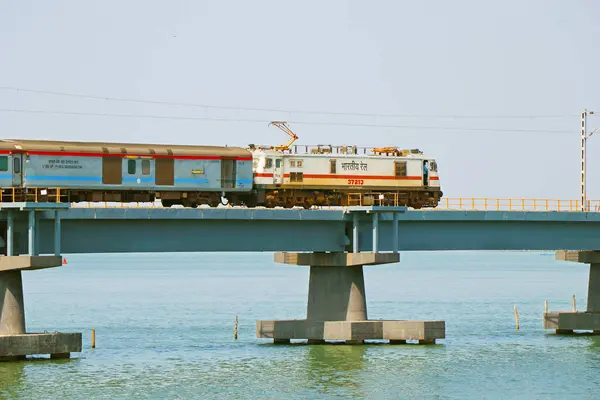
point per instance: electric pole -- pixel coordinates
(584, 136)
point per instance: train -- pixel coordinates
(190, 176)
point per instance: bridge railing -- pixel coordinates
(515, 204)
(446, 203)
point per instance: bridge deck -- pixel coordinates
(98, 230)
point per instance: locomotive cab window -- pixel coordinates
(278, 163)
(332, 166)
(3, 163)
(400, 168)
(131, 167)
(145, 167)
(268, 163)
(293, 163)
(433, 166)
(299, 163)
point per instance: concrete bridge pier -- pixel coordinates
(12, 310)
(337, 307)
(589, 320)
(15, 342)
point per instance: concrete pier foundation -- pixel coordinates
(12, 309)
(15, 342)
(337, 307)
(566, 322)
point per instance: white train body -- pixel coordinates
(331, 176)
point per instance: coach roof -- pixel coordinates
(121, 148)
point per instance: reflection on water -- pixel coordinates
(11, 379)
(332, 368)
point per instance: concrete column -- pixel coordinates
(12, 310)
(36, 233)
(10, 233)
(56, 233)
(336, 294)
(355, 226)
(593, 300)
(395, 233)
(375, 232)
(31, 234)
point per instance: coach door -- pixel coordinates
(17, 167)
(112, 170)
(278, 171)
(228, 172)
(165, 171)
(425, 173)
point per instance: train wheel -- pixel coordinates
(251, 202)
(167, 203)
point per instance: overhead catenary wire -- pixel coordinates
(196, 118)
(279, 110)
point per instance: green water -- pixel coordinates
(164, 327)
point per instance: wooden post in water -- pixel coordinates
(516, 317)
(574, 304)
(235, 328)
(545, 306)
(93, 338)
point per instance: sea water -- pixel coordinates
(164, 330)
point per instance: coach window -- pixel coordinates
(268, 163)
(400, 167)
(17, 165)
(131, 167)
(145, 167)
(3, 163)
(332, 166)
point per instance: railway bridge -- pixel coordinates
(334, 243)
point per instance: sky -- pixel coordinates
(454, 75)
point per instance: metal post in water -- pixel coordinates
(235, 328)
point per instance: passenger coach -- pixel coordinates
(77, 171)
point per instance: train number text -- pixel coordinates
(356, 182)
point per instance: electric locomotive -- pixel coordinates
(344, 176)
